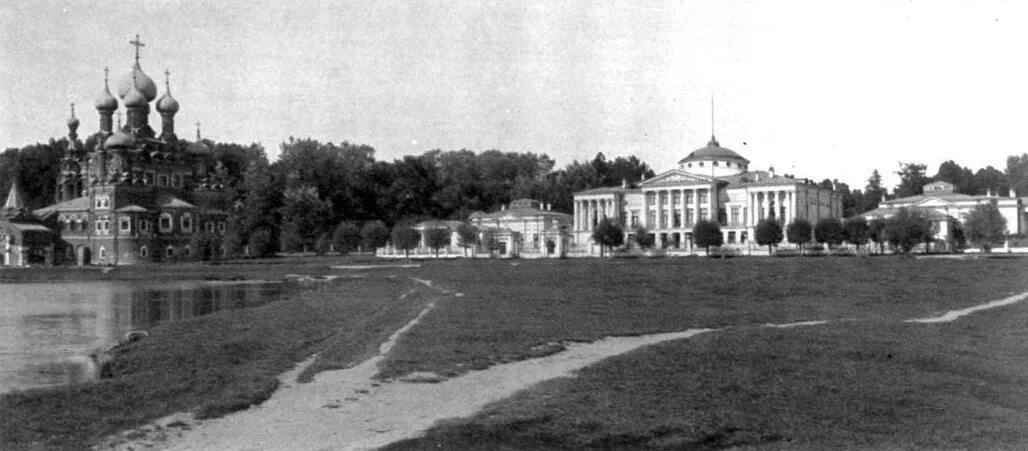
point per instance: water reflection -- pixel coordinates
(47, 331)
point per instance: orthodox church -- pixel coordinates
(712, 183)
(131, 195)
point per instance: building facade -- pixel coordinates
(525, 228)
(24, 241)
(712, 183)
(946, 208)
(134, 195)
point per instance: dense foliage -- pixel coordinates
(985, 226)
(608, 234)
(798, 232)
(769, 233)
(707, 234)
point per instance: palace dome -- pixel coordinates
(142, 82)
(713, 151)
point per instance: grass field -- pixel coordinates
(868, 381)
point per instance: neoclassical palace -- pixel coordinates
(712, 183)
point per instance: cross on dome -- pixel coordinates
(136, 42)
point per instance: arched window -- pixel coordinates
(165, 223)
(187, 251)
(144, 251)
(169, 251)
(103, 252)
(186, 222)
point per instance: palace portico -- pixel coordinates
(712, 183)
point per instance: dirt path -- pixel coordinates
(348, 409)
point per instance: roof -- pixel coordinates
(174, 202)
(608, 190)
(713, 150)
(514, 213)
(437, 224)
(929, 212)
(14, 197)
(132, 209)
(78, 203)
(29, 227)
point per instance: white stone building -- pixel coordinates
(943, 206)
(712, 183)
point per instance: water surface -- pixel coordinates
(48, 330)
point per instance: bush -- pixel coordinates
(261, 243)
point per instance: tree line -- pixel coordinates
(304, 199)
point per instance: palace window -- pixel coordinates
(208, 226)
(635, 219)
(103, 252)
(663, 220)
(735, 215)
(676, 197)
(690, 216)
(162, 180)
(221, 227)
(703, 196)
(651, 198)
(126, 224)
(165, 223)
(144, 251)
(187, 251)
(176, 180)
(169, 251)
(703, 213)
(731, 237)
(186, 223)
(651, 219)
(676, 219)
(688, 197)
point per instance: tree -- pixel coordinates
(404, 237)
(489, 241)
(856, 231)
(798, 232)
(644, 238)
(912, 179)
(706, 234)
(874, 231)
(305, 217)
(985, 225)
(874, 191)
(906, 229)
(769, 233)
(437, 238)
(346, 237)
(608, 234)
(829, 231)
(374, 234)
(1017, 174)
(261, 244)
(322, 244)
(962, 178)
(467, 237)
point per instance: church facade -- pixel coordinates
(712, 183)
(135, 195)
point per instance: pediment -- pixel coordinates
(933, 202)
(675, 177)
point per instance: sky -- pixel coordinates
(819, 89)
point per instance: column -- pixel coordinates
(576, 215)
(645, 212)
(660, 211)
(685, 208)
(696, 205)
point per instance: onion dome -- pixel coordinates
(106, 102)
(167, 103)
(134, 99)
(713, 151)
(73, 122)
(138, 79)
(119, 140)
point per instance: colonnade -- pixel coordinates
(589, 212)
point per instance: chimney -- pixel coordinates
(624, 183)
(1010, 192)
(756, 176)
(771, 171)
(549, 207)
(503, 207)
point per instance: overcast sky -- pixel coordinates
(820, 89)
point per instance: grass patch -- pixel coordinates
(868, 384)
(510, 312)
(210, 365)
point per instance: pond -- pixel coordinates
(49, 330)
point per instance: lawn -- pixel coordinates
(702, 392)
